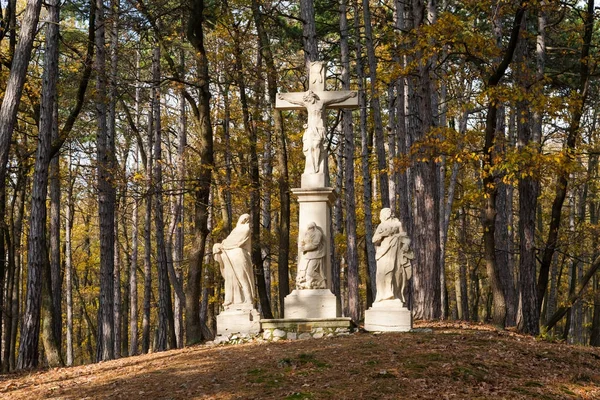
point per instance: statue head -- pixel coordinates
(310, 97)
(311, 225)
(385, 214)
(244, 219)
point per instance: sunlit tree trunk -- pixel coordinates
(133, 290)
(375, 107)
(424, 185)
(148, 239)
(69, 214)
(347, 138)
(166, 327)
(353, 300)
(195, 35)
(37, 253)
(573, 133)
(283, 180)
(14, 86)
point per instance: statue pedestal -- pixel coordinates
(238, 318)
(388, 316)
(311, 303)
(314, 180)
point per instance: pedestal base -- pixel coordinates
(388, 316)
(311, 303)
(238, 320)
(314, 180)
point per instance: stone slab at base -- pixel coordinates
(314, 180)
(388, 316)
(244, 321)
(311, 303)
(305, 328)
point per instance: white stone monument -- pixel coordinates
(312, 297)
(389, 311)
(233, 256)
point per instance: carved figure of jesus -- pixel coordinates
(314, 134)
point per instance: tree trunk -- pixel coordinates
(568, 150)
(106, 199)
(309, 33)
(462, 299)
(353, 300)
(574, 297)
(112, 132)
(528, 193)
(195, 35)
(283, 180)
(37, 252)
(166, 326)
(376, 108)
(348, 167)
(424, 184)
(14, 86)
(69, 213)
(55, 262)
(179, 219)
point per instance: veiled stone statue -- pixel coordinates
(233, 256)
(393, 258)
(312, 260)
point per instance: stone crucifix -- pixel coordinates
(316, 100)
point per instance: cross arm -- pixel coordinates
(289, 101)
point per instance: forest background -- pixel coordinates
(133, 133)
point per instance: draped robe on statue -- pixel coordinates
(233, 256)
(393, 259)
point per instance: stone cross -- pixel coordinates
(316, 101)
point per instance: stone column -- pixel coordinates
(315, 206)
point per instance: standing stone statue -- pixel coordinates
(393, 258)
(311, 274)
(233, 256)
(389, 312)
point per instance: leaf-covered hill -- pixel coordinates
(452, 362)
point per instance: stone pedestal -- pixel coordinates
(238, 319)
(315, 206)
(311, 303)
(388, 316)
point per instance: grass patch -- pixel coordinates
(465, 373)
(300, 360)
(533, 384)
(568, 391)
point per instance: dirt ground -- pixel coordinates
(455, 361)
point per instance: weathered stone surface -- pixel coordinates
(292, 336)
(242, 321)
(317, 335)
(305, 335)
(311, 303)
(293, 323)
(388, 316)
(279, 333)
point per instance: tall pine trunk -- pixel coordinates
(195, 35)
(424, 186)
(37, 253)
(106, 199)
